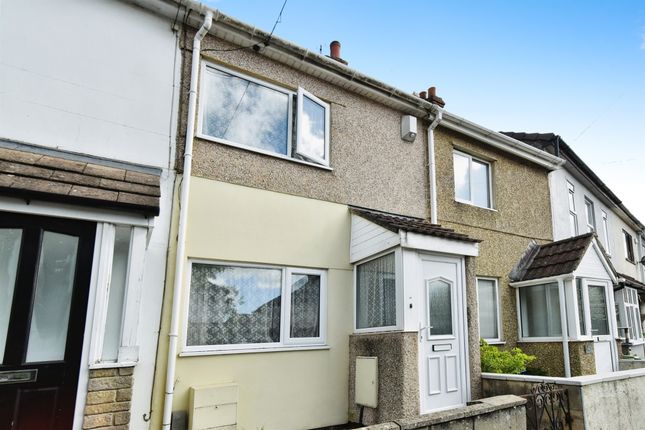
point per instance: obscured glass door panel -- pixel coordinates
(51, 305)
(10, 239)
(440, 305)
(598, 310)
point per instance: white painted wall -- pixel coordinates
(560, 210)
(97, 77)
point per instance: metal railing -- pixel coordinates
(547, 408)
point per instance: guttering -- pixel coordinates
(432, 166)
(311, 63)
(183, 215)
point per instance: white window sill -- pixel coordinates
(112, 365)
(539, 340)
(465, 202)
(495, 342)
(261, 151)
(197, 353)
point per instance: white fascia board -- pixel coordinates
(605, 263)
(501, 141)
(438, 244)
(540, 281)
(334, 72)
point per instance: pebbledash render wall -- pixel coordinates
(521, 213)
(252, 208)
(372, 166)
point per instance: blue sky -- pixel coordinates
(574, 68)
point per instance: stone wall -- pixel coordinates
(500, 413)
(109, 392)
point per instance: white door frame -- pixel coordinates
(461, 320)
(611, 318)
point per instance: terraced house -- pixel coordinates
(312, 283)
(87, 125)
(602, 242)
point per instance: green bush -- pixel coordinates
(495, 360)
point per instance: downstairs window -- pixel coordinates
(240, 306)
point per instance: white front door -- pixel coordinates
(600, 327)
(442, 335)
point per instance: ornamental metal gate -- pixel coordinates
(547, 408)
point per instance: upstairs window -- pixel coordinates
(629, 246)
(472, 180)
(591, 215)
(245, 112)
(605, 231)
(573, 216)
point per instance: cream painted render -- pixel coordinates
(276, 389)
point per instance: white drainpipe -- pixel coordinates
(183, 214)
(432, 166)
(565, 331)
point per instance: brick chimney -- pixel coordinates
(334, 52)
(432, 97)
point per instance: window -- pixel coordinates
(540, 311)
(591, 215)
(242, 111)
(239, 306)
(573, 216)
(582, 320)
(629, 312)
(598, 310)
(488, 297)
(472, 180)
(629, 246)
(605, 231)
(376, 293)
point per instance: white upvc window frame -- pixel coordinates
(605, 231)
(398, 280)
(491, 196)
(628, 237)
(311, 161)
(629, 312)
(286, 343)
(302, 93)
(500, 337)
(520, 316)
(571, 202)
(590, 212)
(128, 352)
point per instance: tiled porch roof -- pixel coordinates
(62, 177)
(553, 259)
(632, 282)
(395, 223)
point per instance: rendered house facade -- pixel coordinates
(308, 242)
(582, 204)
(86, 181)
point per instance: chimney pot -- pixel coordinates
(432, 91)
(334, 49)
(423, 95)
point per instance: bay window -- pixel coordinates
(243, 306)
(242, 111)
(540, 311)
(629, 312)
(376, 293)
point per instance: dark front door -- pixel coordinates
(45, 266)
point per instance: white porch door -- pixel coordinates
(600, 327)
(442, 335)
